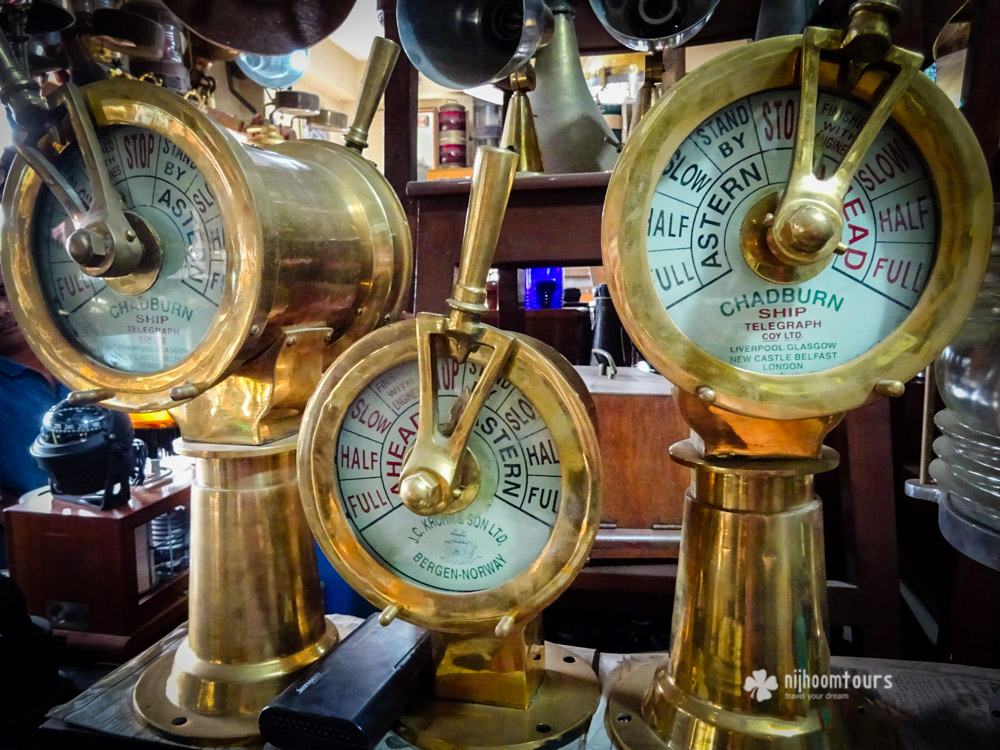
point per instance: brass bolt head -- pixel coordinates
(422, 494)
(809, 229)
(86, 247)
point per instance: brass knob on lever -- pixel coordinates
(381, 61)
(440, 475)
(868, 38)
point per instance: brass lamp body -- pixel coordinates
(750, 603)
(318, 253)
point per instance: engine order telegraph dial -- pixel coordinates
(529, 473)
(691, 214)
(500, 533)
(159, 183)
(736, 163)
(151, 255)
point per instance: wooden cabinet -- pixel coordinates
(86, 571)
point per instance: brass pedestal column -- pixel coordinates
(748, 616)
(246, 639)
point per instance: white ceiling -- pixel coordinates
(356, 34)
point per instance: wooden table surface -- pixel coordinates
(932, 706)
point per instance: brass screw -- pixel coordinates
(504, 627)
(184, 392)
(291, 341)
(705, 394)
(388, 615)
(85, 398)
(890, 388)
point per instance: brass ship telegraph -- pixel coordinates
(155, 262)
(795, 229)
(450, 472)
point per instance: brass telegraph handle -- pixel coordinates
(105, 242)
(436, 477)
(807, 225)
(492, 180)
(381, 61)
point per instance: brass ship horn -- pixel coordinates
(571, 130)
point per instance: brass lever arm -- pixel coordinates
(437, 475)
(103, 242)
(808, 222)
(381, 61)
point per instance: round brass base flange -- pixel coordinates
(243, 689)
(559, 713)
(151, 703)
(857, 721)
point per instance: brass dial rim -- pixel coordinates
(564, 405)
(957, 169)
(246, 291)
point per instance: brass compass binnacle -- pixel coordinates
(450, 470)
(218, 221)
(788, 261)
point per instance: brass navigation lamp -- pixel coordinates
(450, 472)
(155, 262)
(795, 229)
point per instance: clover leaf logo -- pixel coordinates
(760, 685)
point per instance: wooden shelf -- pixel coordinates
(551, 220)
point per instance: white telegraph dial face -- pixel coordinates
(503, 530)
(730, 162)
(156, 329)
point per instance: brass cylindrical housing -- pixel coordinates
(750, 602)
(252, 627)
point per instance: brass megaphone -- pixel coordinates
(651, 25)
(470, 43)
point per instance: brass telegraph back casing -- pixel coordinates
(315, 239)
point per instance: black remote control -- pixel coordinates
(352, 696)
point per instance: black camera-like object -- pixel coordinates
(90, 454)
